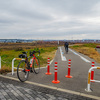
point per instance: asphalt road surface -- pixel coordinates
(80, 64)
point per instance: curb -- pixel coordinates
(55, 88)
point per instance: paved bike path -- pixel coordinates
(79, 71)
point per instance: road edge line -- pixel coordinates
(83, 58)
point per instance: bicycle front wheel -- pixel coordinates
(36, 65)
(22, 71)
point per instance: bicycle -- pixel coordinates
(24, 66)
(66, 49)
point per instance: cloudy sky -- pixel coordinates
(50, 19)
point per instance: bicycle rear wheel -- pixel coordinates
(66, 50)
(22, 71)
(36, 65)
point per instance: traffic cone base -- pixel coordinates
(68, 76)
(55, 82)
(48, 73)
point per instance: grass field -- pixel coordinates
(8, 51)
(88, 49)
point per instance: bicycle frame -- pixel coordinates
(30, 66)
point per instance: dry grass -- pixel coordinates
(16, 46)
(50, 55)
(5, 70)
(89, 51)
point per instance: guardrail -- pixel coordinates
(13, 64)
(88, 89)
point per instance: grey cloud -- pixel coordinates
(72, 7)
(55, 19)
(23, 10)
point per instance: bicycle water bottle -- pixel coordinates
(30, 61)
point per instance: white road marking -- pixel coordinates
(80, 56)
(62, 57)
(55, 88)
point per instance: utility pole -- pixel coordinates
(58, 42)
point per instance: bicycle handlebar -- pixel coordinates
(33, 52)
